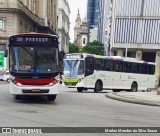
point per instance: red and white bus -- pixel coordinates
(34, 65)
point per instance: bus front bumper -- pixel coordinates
(34, 90)
(73, 85)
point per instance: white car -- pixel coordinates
(5, 76)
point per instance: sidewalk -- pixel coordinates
(144, 98)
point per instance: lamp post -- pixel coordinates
(129, 26)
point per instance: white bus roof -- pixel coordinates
(118, 58)
(33, 33)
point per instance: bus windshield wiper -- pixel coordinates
(75, 63)
(27, 50)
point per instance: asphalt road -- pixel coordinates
(73, 109)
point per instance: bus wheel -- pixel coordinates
(80, 89)
(51, 97)
(116, 90)
(86, 89)
(98, 87)
(134, 87)
(17, 97)
(8, 80)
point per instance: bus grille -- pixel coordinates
(70, 84)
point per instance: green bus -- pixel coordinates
(2, 60)
(89, 71)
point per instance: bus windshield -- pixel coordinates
(73, 67)
(33, 59)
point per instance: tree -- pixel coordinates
(94, 47)
(73, 48)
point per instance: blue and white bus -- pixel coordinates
(87, 71)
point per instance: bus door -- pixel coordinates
(109, 74)
(118, 74)
(89, 72)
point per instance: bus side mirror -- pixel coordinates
(5, 53)
(61, 55)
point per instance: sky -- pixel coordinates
(74, 6)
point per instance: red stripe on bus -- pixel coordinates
(35, 81)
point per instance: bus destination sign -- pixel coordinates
(31, 39)
(74, 56)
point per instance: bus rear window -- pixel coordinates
(151, 69)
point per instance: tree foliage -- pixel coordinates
(73, 48)
(94, 47)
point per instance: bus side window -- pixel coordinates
(89, 66)
(96, 64)
(81, 68)
(111, 64)
(120, 66)
(99, 64)
(127, 67)
(107, 66)
(143, 69)
(135, 68)
(116, 66)
(151, 69)
(138, 67)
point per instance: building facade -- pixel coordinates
(19, 16)
(80, 31)
(92, 13)
(104, 23)
(77, 26)
(135, 29)
(93, 34)
(63, 24)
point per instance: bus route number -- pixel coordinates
(19, 39)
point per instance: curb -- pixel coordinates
(115, 96)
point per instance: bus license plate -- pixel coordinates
(35, 90)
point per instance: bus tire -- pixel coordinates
(86, 89)
(80, 89)
(8, 80)
(134, 87)
(98, 87)
(51, 97)
(116, 90)
(17, 97)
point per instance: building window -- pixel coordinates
(34, 7)
(30, 5)
(2, 47)
(84, 41)
(25, 2)
(1, 1)
(2, 24)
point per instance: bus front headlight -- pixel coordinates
(53, 83)
(80, 80)
(16, 83)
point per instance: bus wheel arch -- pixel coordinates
(134, 86)
(80, 89)
(17, 97)
(51, 97)
(98, 86)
